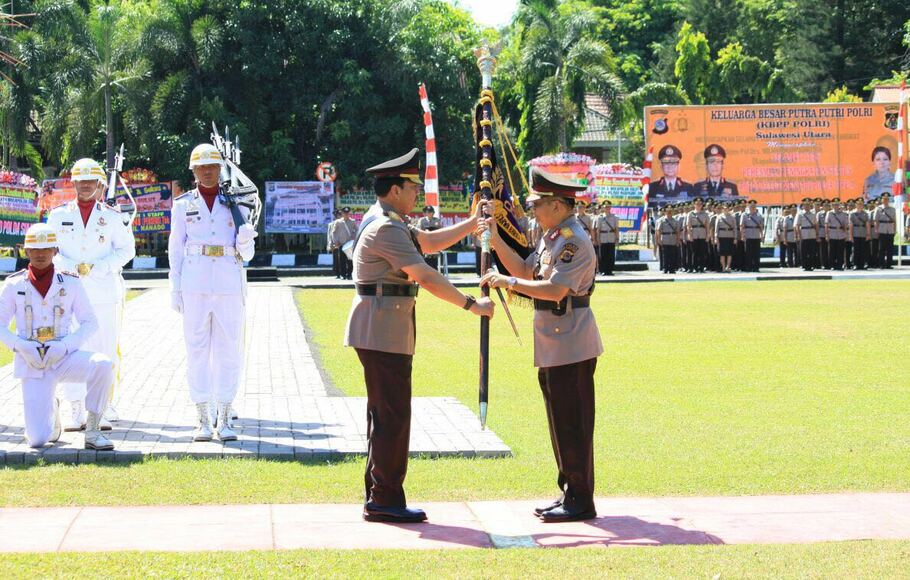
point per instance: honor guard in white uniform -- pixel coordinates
(44, 303)
(95, 243)
(208, 286)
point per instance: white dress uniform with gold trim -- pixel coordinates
(208, 279)
(43, 321)
(97, 250)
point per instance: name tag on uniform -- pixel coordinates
(67, 223)
(21, 292)
(192, 212)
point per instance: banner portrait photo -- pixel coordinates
(775, 154)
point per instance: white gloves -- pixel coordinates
(28, 349)
(177, 301)
(246, 234)
(56, 350)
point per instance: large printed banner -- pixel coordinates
(778, 154)
(17, 207)
(454, 202)
(619, 183)
(298, 207)
(55, 192)
(153, 207)
(621, 186)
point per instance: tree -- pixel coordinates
(561, 60)
(84, 62)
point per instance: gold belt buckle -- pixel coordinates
(213, 251)
(45, 333)
(84, 268)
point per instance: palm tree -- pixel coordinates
(562, 60)
(86, 57)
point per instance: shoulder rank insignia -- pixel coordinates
(567, 233)
(553, 235)
(568, 252)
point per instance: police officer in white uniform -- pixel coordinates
(44, 303)
(208, 286)
(94, 242)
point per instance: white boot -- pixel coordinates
(225, 433)
(93, 437)
(75, 419)
(58, 427)
(105, 425)
(204, 428)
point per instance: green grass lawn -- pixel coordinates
(708, 388)
(857, 560)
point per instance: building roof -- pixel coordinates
(886, 94)
(597, 118)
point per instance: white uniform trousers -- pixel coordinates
(105, 340)
(213, 327)
(93, 369)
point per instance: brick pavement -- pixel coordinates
(286, 410)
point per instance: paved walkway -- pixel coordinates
(622, 522)
(286, 409)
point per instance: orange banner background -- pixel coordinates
(779, 154)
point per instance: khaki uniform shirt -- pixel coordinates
(838, 222)
(681, 223)
(587, 223)
(859, 219)
(565, 256)
(667, 231)
(697, 225)
(884, 219)
(790, 229)
(822, 220)
(607, 229)
(807, 224)
(384, 323)
(725, 227)
(752, 226)
(341, 232)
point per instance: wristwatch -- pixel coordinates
(469, 302)
(512, 281)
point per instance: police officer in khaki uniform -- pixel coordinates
(606, 227)
(807, 235)
(388, 266)
(559, 276)
(581, 209)
(752, 226)
(837, 226)
(792, 258)
(824, 253)
(697, 234)
(859, 233)
(430, 223)
(667, 239)
(725, 232)
(883, 220)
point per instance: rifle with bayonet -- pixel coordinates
(114, 179)
(235, 189)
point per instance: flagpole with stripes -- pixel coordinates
(898, 188)
(431, 176)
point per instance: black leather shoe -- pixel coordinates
(402, 515)
(556, 503)
(567, 514)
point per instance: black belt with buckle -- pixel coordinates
(387, 289)
(559, 308)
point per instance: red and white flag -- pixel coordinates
(646, 184)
